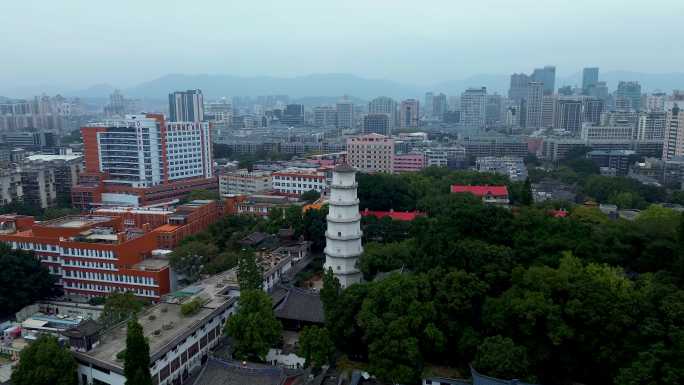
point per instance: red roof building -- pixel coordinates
(489, 194)
(396, 215)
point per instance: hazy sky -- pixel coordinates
(78, 43)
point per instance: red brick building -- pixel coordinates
(111, 250)
(92, 255)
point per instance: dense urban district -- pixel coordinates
(533, 238)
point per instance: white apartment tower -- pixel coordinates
(343, 235)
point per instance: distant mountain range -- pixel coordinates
(335, 85)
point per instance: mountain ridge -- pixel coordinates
(339, 84)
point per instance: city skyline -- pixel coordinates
(460, 40)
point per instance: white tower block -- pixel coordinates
(343, 236)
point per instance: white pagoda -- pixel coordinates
(343, 235)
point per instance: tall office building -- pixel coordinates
(590, 77)
(569, 115)
(534, 103)
(293, 115)
(474, 107)
(673, 146)
(439, 106)
(343, 234)
(630, 94)
(549, 107)
(376, 123)
(186, 106)
(142, 160)
(494, 110)
(592, 109)
(547, 76)
(345, 114)
(427, 107)
(656, 101)
(384, 105)
(409, 114)
(325, 116)
(518, 87)
(651, 125)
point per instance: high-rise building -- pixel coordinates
(547, 76)
(439, 106)
(673, 145)
(293, 115)
(569, 115)
(549, 110)
(384, 105)
(590, 77)
(143, 159)
(409, 113)
(592, 109)
(428, 107)
(494, 110)
(474, 107)
(656, 101)
(345, 114)
(376, 123)
(325, 116)
(599, 91)
(652, 125)
(343, 235)
(371, 153)
(186, 106)
(518, 87)
(630, 94)
(534, 105)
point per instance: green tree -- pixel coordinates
(23, 280)
(316, 346)
(119, 306)
(45, 362)
(253, 327)
(330, 293)
(189, 259)
(526, 197)
(314, 224)
(250, 274)
(310, 196)
(500, 357)
(137, 357)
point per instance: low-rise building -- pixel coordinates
(511, 166)
(179, 343)
(410, 162)
(497, 195)
(296, 181)
(617, 160)
(244, 182)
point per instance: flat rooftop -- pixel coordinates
(152, 264)
(75, 222)
(160, 328)
(214, 289)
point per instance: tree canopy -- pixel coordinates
(516, 293)
(137, 357)
(23, 280)
(253, 327)
(45, 362)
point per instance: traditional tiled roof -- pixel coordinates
(480, 191)
(85, 328)
(301, 305)
(396, 215)
(219, 372)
